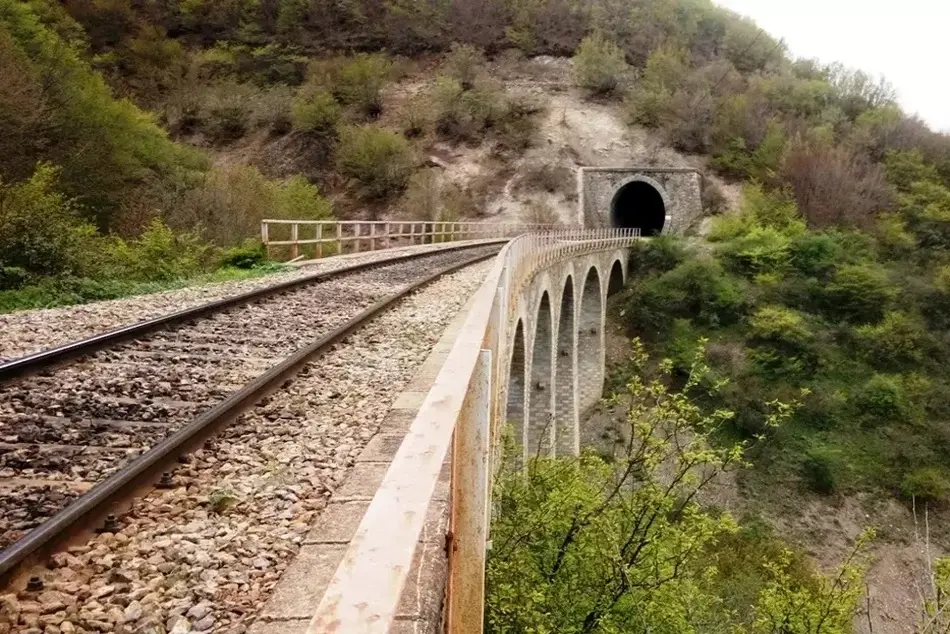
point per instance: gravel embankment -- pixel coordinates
(26, 332)
(204, 556)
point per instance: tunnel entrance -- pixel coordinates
(638, 205)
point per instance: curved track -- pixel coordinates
(78, 438)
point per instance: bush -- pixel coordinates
(159, 255)
(657, 255)
(464, 63)
(600, 65)
(250, 254)
(697, 289)
(883, 399)
(820, 470)
(316, 112)
(227, 109)
(858, 293)
(896, 340)
(228, 206)
(380, 160)
(41, 232)
(833, 185)
(762, 250)
(816, 254)
(928, 484)
(466, 114)
(781, 340)
(355, 81)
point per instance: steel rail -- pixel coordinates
(36, 361)
(93, 505)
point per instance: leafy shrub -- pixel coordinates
(761, 250)
(782, 341)
(41, 232)
(159, 255)
(858, 293)
(815, 254)
(274, 110)
(355, 81)
(897, 339)
(926, 484)
(600, 65)
(464, 63)
(659, 254)
(230, 203)
(226, 112)
(648, 106)
(379, 159)
(882, 399)
(821, 469)
(759, 208)
(467, 114)
(250, 254)
(316, 112)
(697, 289)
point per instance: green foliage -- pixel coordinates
(781, 341)
(355, 81)
(230, 203)
(821, 470)
(898, 339)
(465, 64)
(109, 151)
(761, 250)
(590, 545)
(159, 255)
(248, 255)
(927, 484)
(41, 231)
(317, 112)
(659, 254)
(882, 399)
(908, 167)
(858, 293)
(697, 289)
(599, 65)
(380, 160)
(816, 254)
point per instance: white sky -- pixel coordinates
(907, 41)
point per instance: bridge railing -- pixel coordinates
(320, 238)
(462, 414)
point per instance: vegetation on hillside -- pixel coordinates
(856, 318)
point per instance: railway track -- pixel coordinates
(78, 438)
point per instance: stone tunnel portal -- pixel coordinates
(638, 205)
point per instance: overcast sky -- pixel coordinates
(907, 41)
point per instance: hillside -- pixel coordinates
(144, 141)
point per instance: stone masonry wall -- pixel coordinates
(681, 190)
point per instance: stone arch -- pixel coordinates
(590, 342)
(516, 384)
(616, 279)
(565, 384)
(640, 202)
(540, 391)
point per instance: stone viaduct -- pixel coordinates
(556, 353)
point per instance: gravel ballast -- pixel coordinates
(204, 555)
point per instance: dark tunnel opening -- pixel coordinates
(638, 205)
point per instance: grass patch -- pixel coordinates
(50, 293)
